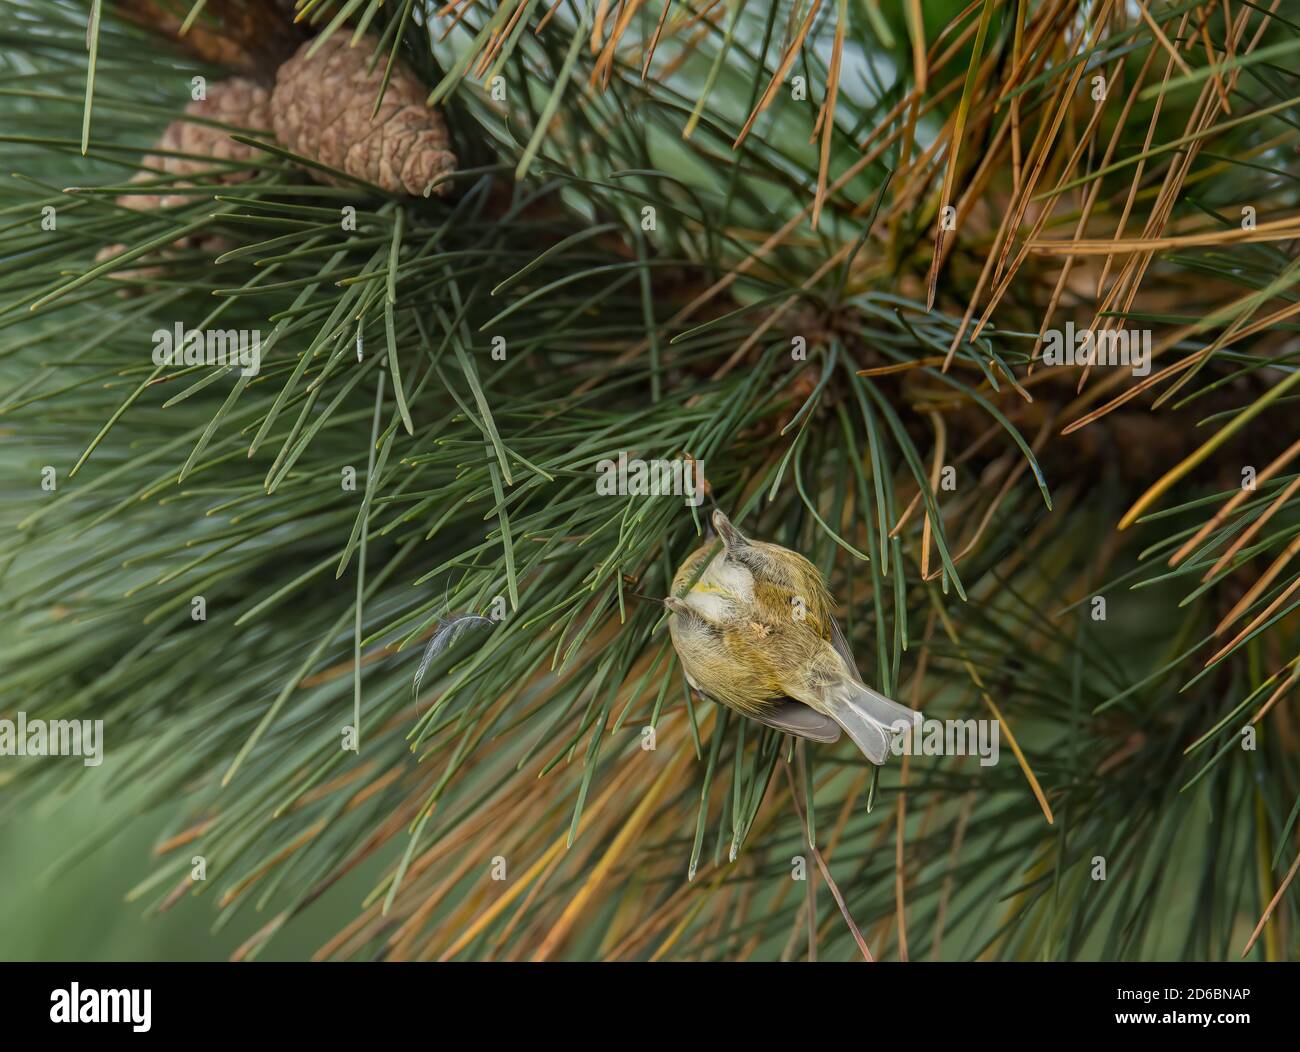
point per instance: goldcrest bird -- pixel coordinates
(755, 631)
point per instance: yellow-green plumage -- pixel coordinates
(753, 625)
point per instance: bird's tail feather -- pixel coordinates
(868, 717)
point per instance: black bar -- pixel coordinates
(567, 1002)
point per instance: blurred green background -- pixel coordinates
(53, 910)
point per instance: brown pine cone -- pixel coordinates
(237, 101)
(321, 110)
(157, 265)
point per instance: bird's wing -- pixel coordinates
(793, 717)
(841, 645)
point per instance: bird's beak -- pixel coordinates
(729, 534)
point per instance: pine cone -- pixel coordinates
(238, 101)
(157, 265)
(321, 110)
